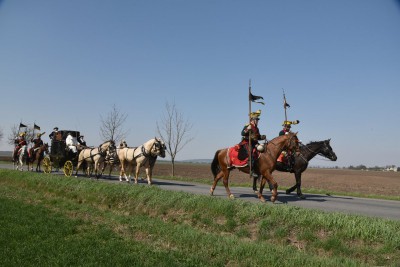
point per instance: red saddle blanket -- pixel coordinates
(233, 153)
(234, 161)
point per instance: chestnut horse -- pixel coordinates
(38, 155)
(264, 165)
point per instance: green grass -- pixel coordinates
(49, 220)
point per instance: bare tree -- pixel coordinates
(174, 130)
(112, 126)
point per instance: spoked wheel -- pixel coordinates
(68, 168)
(46, 163)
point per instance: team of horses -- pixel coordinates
(145, 155)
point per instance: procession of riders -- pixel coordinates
(73, 144)
(246, 152)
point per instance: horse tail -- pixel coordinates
(215, 167)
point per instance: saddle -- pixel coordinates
(238, 155)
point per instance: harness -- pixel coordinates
(143, 153)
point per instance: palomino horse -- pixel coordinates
(307, 152)
(22, 157)
(264, 165)
(112, 159)
(96, 156)
(38, 155)
(144, 155)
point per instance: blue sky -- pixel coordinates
(65, 63)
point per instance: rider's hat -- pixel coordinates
(22, 134)
(289, 123)
(55, 129)
(255, 115)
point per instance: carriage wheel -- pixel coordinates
(68, 168)
(46, 163)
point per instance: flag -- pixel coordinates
(21, 125)
(253, 98)
(285, 104)
(35, 127)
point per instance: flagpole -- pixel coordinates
(284, 105)
(250, 148)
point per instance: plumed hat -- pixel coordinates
(289, 123)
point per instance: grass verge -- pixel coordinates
(54, 220)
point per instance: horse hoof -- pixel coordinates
(231, 196)
(211, 192)
(301, 196)
(273, 199)
(288, 192)
(255, 191)
(262, 199)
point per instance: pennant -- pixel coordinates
(21, 125)
(253, 98)
(35, 127)
(286, 105)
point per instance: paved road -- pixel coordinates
(329, 203)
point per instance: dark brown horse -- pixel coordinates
(263, 166)
(307, 152)
(38, 156)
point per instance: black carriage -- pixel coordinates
(60, 155)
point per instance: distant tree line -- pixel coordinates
(361, 167)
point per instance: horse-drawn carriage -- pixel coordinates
(60, 155)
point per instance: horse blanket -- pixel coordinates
(238, 155)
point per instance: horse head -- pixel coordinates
(123, 144)
(327, 150)
(158, 147)
(292, 142)
(107, 147)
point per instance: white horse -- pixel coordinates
(95, 155)
(141, 156)
(22, 157)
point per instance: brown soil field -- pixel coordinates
(335, 180)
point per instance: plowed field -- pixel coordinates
(336, 180)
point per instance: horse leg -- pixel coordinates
(298, 185)
(268, 177)
(149, 174)
(255, 184)
(111, 168)
(77, 168)
(122, 170)
(137, 173)
(290, 190)
(96, 169)
(216, 179)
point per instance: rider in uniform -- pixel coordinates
(251, 131)
(37, 142)
(19, 143)
(285, 159)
